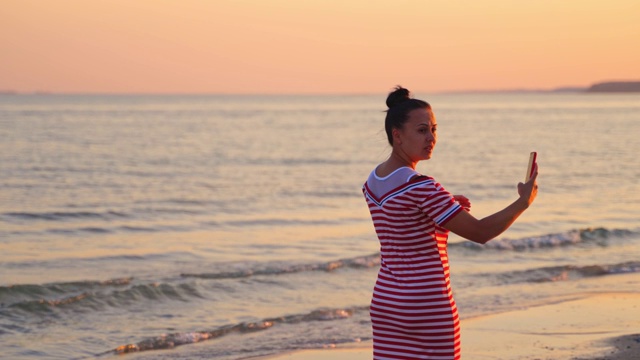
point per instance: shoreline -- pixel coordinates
(595, 327)
(625, 347)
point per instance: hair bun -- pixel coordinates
(398, 96)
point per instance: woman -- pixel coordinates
(412, 311)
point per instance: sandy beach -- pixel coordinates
(595, 327)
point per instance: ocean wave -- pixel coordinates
(65, 215)
(29, 295)
(98, 230)
(94, 260)
(93, 296)
(151, 209)
(562, 273)
(169, 341)
(295, 161)
(569, 238)
(282, 222)
(108, 225)
(322, 193)
(360, 262)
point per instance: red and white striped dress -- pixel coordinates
(412, 311)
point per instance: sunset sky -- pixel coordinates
(314, 46)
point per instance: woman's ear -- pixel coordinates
(395, 133)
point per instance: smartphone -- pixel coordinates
(532, 162)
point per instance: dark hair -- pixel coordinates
(400, 104)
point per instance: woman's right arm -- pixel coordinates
(482, 230)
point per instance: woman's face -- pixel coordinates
(418, 137)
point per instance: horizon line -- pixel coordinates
(443, 92)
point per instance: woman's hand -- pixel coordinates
(529, 190)
(463, 201)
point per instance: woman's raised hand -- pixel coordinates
(529, 190)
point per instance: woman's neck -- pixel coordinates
(399, 159)
(393, 163)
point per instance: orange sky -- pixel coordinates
(314, 46)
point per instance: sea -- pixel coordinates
(233, 226)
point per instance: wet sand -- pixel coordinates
(594, 327)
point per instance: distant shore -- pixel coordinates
(601, 87)
(615, 86)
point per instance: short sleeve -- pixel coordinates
(435, 201)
